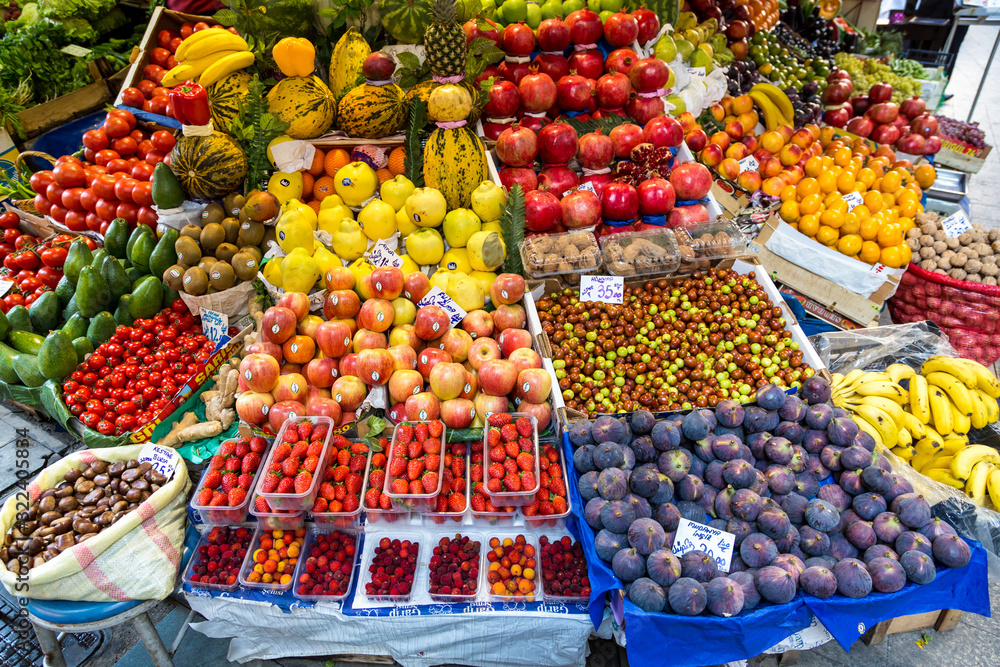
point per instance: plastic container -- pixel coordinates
(518, 597)
(568, 254)
(551, 520)
(548, 597)
(414, 502)
(450, 597)
(196, 558)
(297, 501)
(438, 518)
(706, 243)
(225, 516)
(386, 516)
(514, 498)
(346, 519)
(283, 520)
(366, 576)
(648, 252)
(249, 563)
(312, 530)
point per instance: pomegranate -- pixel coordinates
(604, 113)
(621, 60)
(620, 201)
(538, 92)
(542, 211)
(581, 208)
(663, 131)
(598, 181)
(523, 176)
(585, 26)
(624, 138)
(557, 144)
(558, 180)
(621, 29)
(683, 216)
(912, 107)
(860, 104)
(554, 64)
(649, 25)
(504, 100)
(885, 134)
(517, 39)
(517, 146)
(494, 130)
(691, 180)
(573, 92)
(613, 90)
(553, 35)
(649, 74)
(656, 196)
(880, 92)
(925, 125)
(838, 92)
(644, 109)
(838, 115)
(861, 126)
(533, 123)
(472, 31)
(491, 72)
(513, 71)
(589, 64)
(933, 145)
(596, 150)
(913, 143)
(883, 112)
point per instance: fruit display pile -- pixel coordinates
(970, 256)
(220, 557)
(867, 72)
(33, 265)
(754, 471)
(965, 132)
(329, 565)
(273, 556)
(231, 473)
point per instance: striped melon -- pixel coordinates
(372, 112)
(421, 91)
(345, 63)
(209, 167)
(406, 20)
(305, 103)
(224, 97)
(455, 164)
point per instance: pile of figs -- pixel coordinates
(813, 507)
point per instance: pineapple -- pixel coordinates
(445, 40)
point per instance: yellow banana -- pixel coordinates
(868, 428)
(192, 69)
(891, 408)
(921, 460)
(933, 436)
(980, 411)
(993, 486)
(965, 460)
(944, 477)
(985, 379)
(920, 405)
(851, 378)
(951, 366)
(960, 423)
(886, 388)
(222, 40)
(900, 372)
(913, 425)
(953, 444)
(772, 115)
(956, 390)
(182, 51)
(881, 421)
(903, 438)
(905, 453)
(778, 98)
(226, 66)
(941, 460)
(975, 486)
(836, 379)
(992, 407)
(944, 419)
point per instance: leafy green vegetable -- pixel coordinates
(87, 10)
(32, 55)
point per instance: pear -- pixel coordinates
(349, 241)
(466, 291)
(299, 271)
(488, 201)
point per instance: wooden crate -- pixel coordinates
(43, 117)
(961, 157)
(945, 619)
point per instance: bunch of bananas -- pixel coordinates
(208, 56)
(774, 105)
(924, 418)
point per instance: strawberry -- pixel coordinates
(399, 486)
(446, 479)
(340, 473)
(497, 454)
(414, 450)
(320, 505)
(326, 491)
(270, 483)
(441, 504)
(476, 472)
(340, 442)
(496, 471)
(510, 465)
(343, 457)
(404, 433)
(551, 454)
(302, 482)
(416, 488)
(378, 460)
(305, 430)
(542, 493)
(258, 445)
(299, 451)
(500, 419)
(478, 503)
(531, 510)
(508, 433)
(397, 468)
(314, 448)
(432, 462)
(357, 463)
(430, 480)
(494, 485)
(353, 483)
(244, 481)
(525, 461)
(213, 479)
(229, 482)
(219, 499)
(250, 463)
(546, 508)
(492, 438)
(456, 502)
(261, 505)
(523, 426)
(432, 446)
(511, 483)
(559, 505)
(310, 464)
(558, 487)
(458, 485)
(242, 448)
(290, 466)
(371, 498)
(458, 466)
(351, 503)
(237, 496)
(217, 462)
(376, 479)
(421, 432)
(435, 428)
(290, 436)
(528, 481)
(413, 469)
(274, 467)
(232, 464)
(286, 485)
(555, 470)
(359, 448)
(319, 432)
(511, 449)
(526, 445)
(281, 451)
(227, 448)
(205, 497)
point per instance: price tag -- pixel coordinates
(606, 289)
(696, 71)
(693, 536)
(437, 297)
(956, 224)
(382, 255)
(5, 286)
(749, 163)
(853, 199)
(878, 269)
(589, 185)
(215, 325)
(163, 459)
(74, 50)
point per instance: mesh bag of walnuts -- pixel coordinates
(564, 257)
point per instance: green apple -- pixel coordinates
(498, 16)
(684, 48)
(679, 105)
(570, 6)
(515, 10)
(552, 9)
(534, 15)
(605, 14)
(612, 5)
(594, 5)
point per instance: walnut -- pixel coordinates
(974, 278)
(621, 268)
(990, 269)
(959, 259)
(947, 254)
(993, 235)
(914, 245)
(939, 235)
(926, 240)
(927, 227)
(995, 245)
(926, 253)
(943, 263)
(564, 267)
(965, 239)
(988, 259)
(952, 242)
(914, 233)
(686, 253)
(957, 274)
(973, 266)
(928, 265)
(989, 280)
(570, 251)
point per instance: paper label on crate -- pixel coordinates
(956, 224)
(606, 289)
(382, 255)
(243, 322)
(163, 459)
(853, 199)
(75, 50)
(749, 163)
(693, 536)
(215, 325)
(5, 286)
(696, 71)
(437, 297)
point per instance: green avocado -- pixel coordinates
(26, 367)
(116, 277)
(83, 348)
(116, 238)
(147, 298)
(58, 357)
(164, 256)
(92, 292)
(167, 191)
(77, 257)
(142, 251)
(44, 312)
(19, 319)
(122, 314)
(76, 326)
(101, 328)
(65, 290)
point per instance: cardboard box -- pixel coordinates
(863, 310)
(962, 156)
(43, 117)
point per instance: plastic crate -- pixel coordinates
(930, 58)
(455, 597)
(254, 530)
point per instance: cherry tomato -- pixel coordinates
(77, 375)
(71, 199)
(147, 87)
(154, 73)
(9, 220)
(49, 277)
(76, 410)
(125, 423)
(42, 204)
(115, 126)
(168, 389)
(159, 56)
(54, 257)
(105, 427)
(76, 221)
(69, 175)
(201, 25)
(25, 241)
(164, 37)
(123, 189)
(89, 379)
(187, 29)
(105, 156)
(54, 193)
(163, 141)
(10, 236)
(69, 386)
(91, 243)
(133, 97)
(41, 180)
(90, 419)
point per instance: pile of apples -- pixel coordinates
(907, 126)
(377, 336)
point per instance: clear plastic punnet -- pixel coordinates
(649, 252)
(565, 254)
(706, 243)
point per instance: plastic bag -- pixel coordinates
(188, 213)
(716, 86)
(681, 76)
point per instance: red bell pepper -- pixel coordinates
(190, 104)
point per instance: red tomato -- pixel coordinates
(147, 87)
(142, 193)
(42, 204)
(152, 157)
(96, 140)
(132, 161)
(115, 126)
(171, 63)
(91, 157)
(41, 180)
(88, 200)
(71, 199)
(186, 29)
(128, 211)
(138, 135)
(232, 30)
(133, 97)
(9, 220)
(49, 276)
(158, 105)
(104, 157)
(104, 427)
(68, 158)
(95, 224)
(118, 165)
(175, 44)
(69, 175)
(143, 148)
(13, 300)
(123, 189)
(142, 171)
(54, 193)
(107, 209)
(76, 221)
(58, 213)
(9, 237)
(125, 115)
(163, 141)
(104, 186)
(159, 56)
(124, 145)
(148, 217)
(164, 37)
(27, 259)
(54, 257)
(91, 243)
(154, 73)
(201, 25)
(25, 241)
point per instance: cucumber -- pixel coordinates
(26, 342)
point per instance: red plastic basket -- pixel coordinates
(969, 313)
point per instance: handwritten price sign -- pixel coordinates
(215, 325)
(749, 163)
(853, 199)
(437, 297)
(606, 289)
(382, 255)
(163, 459)
(956, 224)
(694, 536)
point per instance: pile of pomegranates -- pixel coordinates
(907, 126)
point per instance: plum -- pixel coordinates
(913, 541)
(819, 416)
(773, 522)
(806, 484)
(579, 434)
(666, 435)
(887, 527)
(790, 431)
(617, 516)
(790, 542)
(830, 457)
(726, 447)
(812, 541)
(815, 440)
(740, 529)
(855, 457)
(878, 551)
(919, 566)
(692, 511)
(666, 515)
(583, 459)
(639, 505)
(841, 432)
(628, 565)
(739, 474)
(643, 450)
(703, 449)
(840, 548)
(850, 481)
(729, 414)
(607, 429)
(644, 481)
(690, 488)
(912, 510)
(861, 535)
(696, 426)
(607, 544)
(815, 389)
(612, 483)
(791, 564)
(822, 515)
(794, 506)
(713, 474)
(707, 500)
(775, 584)
(751, 598)
(758, 420)
(746, 505)
(865, 440)
(608, 455)
(868, 505)
(853, 579)
(898, 488)
(887, 575)
(936, 528)
(642, 422)
(663, 567)
(820, 561)
(664, 491)
(758, 550)
(592, 512)
(780, 479)
(723, 503)
(645, 536)
(675, 464)
(778, 450)
(951, 550)
(793, 409)
(818, 581)
(647, 595)
(698, 565)
(724, 596)
(687, 597)
(756, 442)
(587, 485)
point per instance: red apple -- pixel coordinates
(506, 289)
(349, 391)
(423, 407)
(471, 387)
(366, 339)
(349, 364)
(447, 380)
(416, 285)
(432, 321)
(376, 314)
(509, 316)
(487, 404)
(321, 372)
(478, 323)
(387, 282)
(397, 412)
(341, 304)
(405, 383)
(297, 302)
(278, 324)
(456, 342)
(497, 376)
(375, 366)
(252, 407)
(525, 358)
(458, 413)
(533, 385)
(314, 393)
(282, 411)
(260, 372)
(287, 368)
(403, 357)
(483, 349)
(339, 278)
(263, 347)
(405, 335)
(291, 387)
(325, 407)
(333, 338)
(429, 358)
(513, 339)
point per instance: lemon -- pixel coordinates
(426, 207)
(456, 259)
(488, 200)
(459, 225)
(377, 219)
(355, 183)
(425, 246)
(395, 191)
(404, 224)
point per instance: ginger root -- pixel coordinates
(171, 440)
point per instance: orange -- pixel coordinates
(827, 182)
(831, 217)
(307, 184)
(873, 200)
(888, 199)
(793, 225)
(904, 254)
(850, 245)
(827, 235)
(845, 182)
(299, 349)
(773, 186)
(809, 225)
(925, 175)
(891, 257)
(810, 204)
(890, 235)
(836, 202)
(397, 160)
(789, 211)
(891, 181)
(383, 175)
(788, 193)
(852, 223)
(862, 212)
(807, 186)
(334, 160)
(814, 166)
(870, 252)
(314, 205)
(316, 168)
(323, 187)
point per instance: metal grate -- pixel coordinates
(23, 651)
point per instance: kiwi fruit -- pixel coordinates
(225, 252)
(195, 281)
(192, 232)
(243, 217)
(232, 228)
(253, 250)
(188, 252)
(174, 277)
(207, 263)
(212, 235)
(269, 235)
(222, 276)
(212, 213)
(233, 202)
(245, 266)
(251, 233)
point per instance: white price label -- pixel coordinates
(606, 289)
(878, 269)
(163, 459)
(749, 163)
(214, 325)
(696, 71)
(76, 51)
(853, 199)
(693, 536)
(437, 297)
(956, 224)
(5, 286)
(587, 186)
(382, 255)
